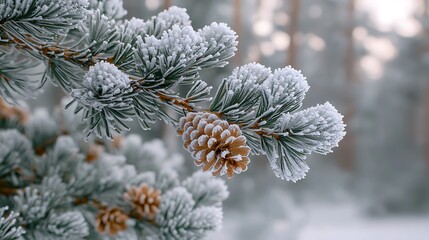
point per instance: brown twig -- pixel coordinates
(180, 102)
(51, 51)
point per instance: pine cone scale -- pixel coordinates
(145, 200)
(215, 144)
(111, 220)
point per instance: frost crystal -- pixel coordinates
(157, 25)
(61, 12)
(14, 149)
(251, 75)
(320, 128)
(9, 229)
(173, 15)
(134, 26)
(222, 43)
(111, 8)
(317, 129)
(69, 225)
(206, 189)
(239, 92)
(179, 48)
(105, 86)
(287, 86)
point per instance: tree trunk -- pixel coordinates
(294, 13)
(425, 93)
(347, 151)
(237, 29)
(167, 4)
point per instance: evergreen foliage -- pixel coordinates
(117, 71)
(58, 188)
(8, 225)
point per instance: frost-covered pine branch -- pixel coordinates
(264, 104)
(9, 230)
(97, 190)
(117, 71)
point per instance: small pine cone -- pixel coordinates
(111, 220)
(215, 144)
(145, 200)
(94, 152)
(117, 141)
(10, 112)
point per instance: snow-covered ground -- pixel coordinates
(324, 222)
(398, 228)
(344, 223)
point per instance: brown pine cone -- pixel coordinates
(145, 200)
(215, 144)
(111, 220)
(10, 112)
(94, 152)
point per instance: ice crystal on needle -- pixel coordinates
(104, 86)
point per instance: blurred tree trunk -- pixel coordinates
(347, 151)
(167, 4)
(425, 98)
(237, 28)
(294, 14)
(168, 133)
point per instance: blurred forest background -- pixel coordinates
(370, 58)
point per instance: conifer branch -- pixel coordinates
(119, 71)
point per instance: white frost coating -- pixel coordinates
(9, 228)
(173, 53)
(149, 155)
(317, 129)
(113, 9)
(219, 33)
(149, 49)
(175, 205)
(207, 218)
(286, 86)
(174, 15)
(104, 86)
(294, 174)
(250, 75)
(69, 225)
(157, 25)
(322, 122)
(105, 77)
(222, 43)
(116, 170)
(64, 8)
(180, 47)
(14, 148)
(135, 24)
(205, 188)
(181, 217)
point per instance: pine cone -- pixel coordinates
(215, 144)
(145, 199)
(94, 152)
(111, 220)
(10, 112)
